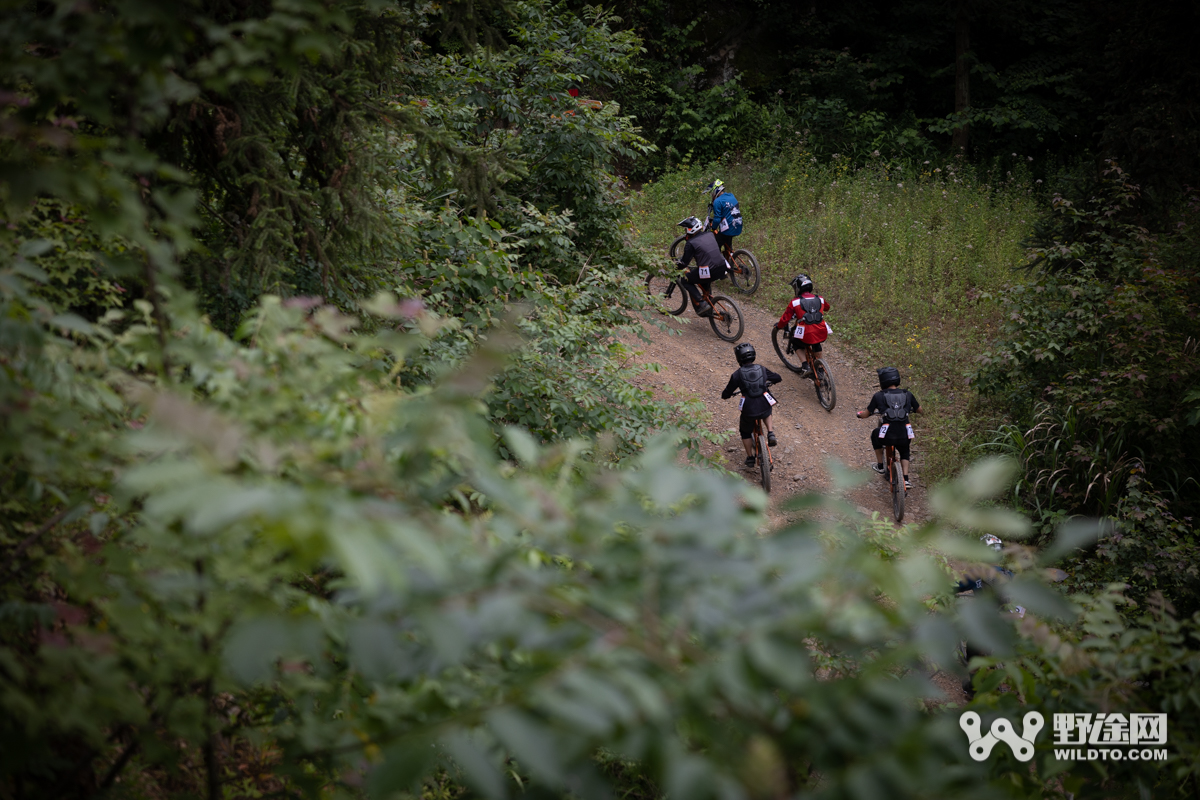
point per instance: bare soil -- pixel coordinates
(694, 363)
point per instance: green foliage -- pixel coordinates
(1150, 666)
(1106, 328)
(915, 259)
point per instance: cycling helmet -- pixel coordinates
(802, 284)
(744, 353)
(716, 187)
(888, 376)
(992, 542)
(691, 225)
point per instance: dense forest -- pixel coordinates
(323, 467)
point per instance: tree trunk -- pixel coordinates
(962, 75)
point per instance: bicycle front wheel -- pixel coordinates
(826, 391)
(897, 491)
(726, 319)
(744, 274)
(667, 292)
(676, 248)
(764, 462)
(792, 359)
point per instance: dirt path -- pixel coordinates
(697, 364)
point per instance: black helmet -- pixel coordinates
(802, 283)
(744, 353)
(888, 376)
(691, 225)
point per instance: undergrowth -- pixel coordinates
(914, 259)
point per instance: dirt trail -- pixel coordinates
(697, 364)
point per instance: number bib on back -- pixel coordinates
(705, 273)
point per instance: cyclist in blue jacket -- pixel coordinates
(725, 217)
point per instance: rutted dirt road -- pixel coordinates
(695, 363)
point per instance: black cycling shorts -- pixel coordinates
(815, 347)
(724, 239)
(746, 424)
(901, 443)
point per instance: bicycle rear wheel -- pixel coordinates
(744, 274)
(666, 291)
(792, 359)
(764, 461)
(897, 490)
(726, 319)
(676, 248)
(826, 391)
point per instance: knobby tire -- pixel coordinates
(782, 341)
(745, 281)
(666, 290)
(826, 391)
(897, 491)
(726, 319)
(764, 461)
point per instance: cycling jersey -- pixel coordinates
(896, 432)
(725, 216)
(704, 249)
(754, 407)
(809, 333)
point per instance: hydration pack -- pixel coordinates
(812, 310)
(754, 380)
(896, 408)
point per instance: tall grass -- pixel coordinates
(914, 260)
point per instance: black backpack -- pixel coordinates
(895, 409)
(812, 310)
(754, 380)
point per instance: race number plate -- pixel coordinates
(705, 273)
(770, 400)
(799, 334)
(883, 430)
(910, 432)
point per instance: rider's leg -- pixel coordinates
(877, 446)
(746, 429)
(690, 278)
(903, 451)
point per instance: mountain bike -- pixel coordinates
(743, 266)
(895, 479)
(726, 320)
(762, 451)
(789, 351)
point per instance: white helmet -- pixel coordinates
(691, 225)
(992, 542)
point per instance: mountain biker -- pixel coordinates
(710, 264)
(894, 405)
(724, 215)
(980, 580)
(808, 309)
(752, 379)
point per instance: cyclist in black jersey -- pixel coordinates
(752, 380)
(710, 263)
(894, 405)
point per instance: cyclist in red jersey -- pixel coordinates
(808, 309)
